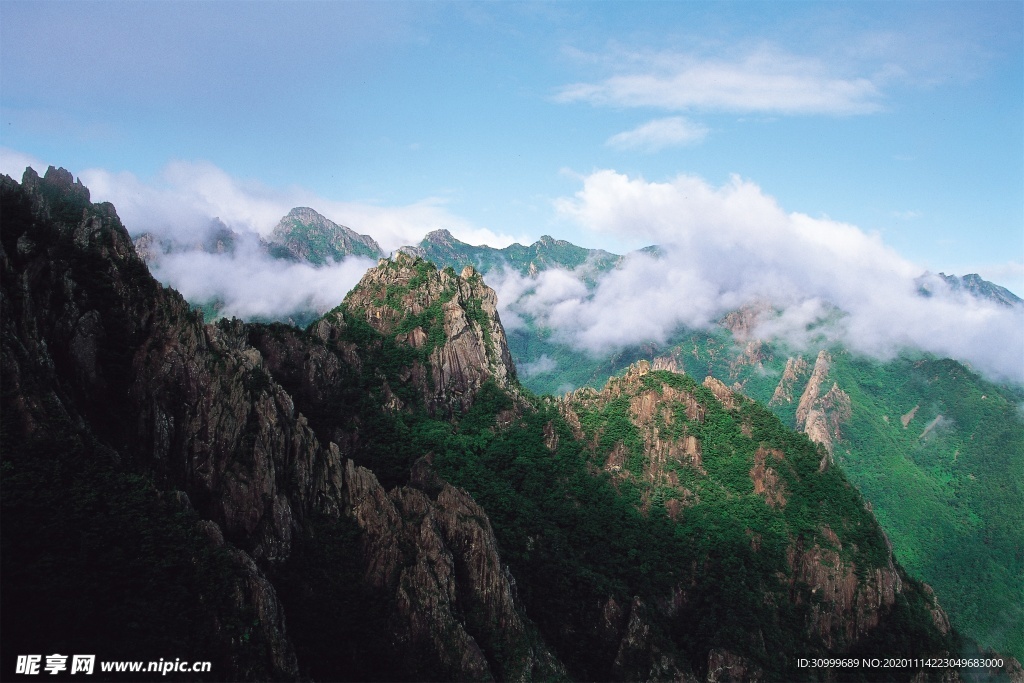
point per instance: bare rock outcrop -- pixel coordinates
(458, 328)
(430, 548)
(821, 416)
(795, 371)
(724, 394)
(726, 667)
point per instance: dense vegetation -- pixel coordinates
(575, 537)
(948, 487)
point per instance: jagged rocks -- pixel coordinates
(430, 548)
(452, 319)
(822, 416)
(795, 371)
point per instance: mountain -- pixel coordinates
(972, 284)
(976, 286)
(305, 235)
(936, 449)
(443, 249)
(377, 497)
(218, 238)
(834, 401)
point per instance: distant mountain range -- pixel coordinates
(442, 248)
(302, 235)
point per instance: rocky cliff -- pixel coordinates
(95, 348)
(406, 297)
(821, 415)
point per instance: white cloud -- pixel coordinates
(656, 135)
(765, 80)
(727, 246)
(250, 284)
(186, 195)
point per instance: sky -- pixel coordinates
(871, 132)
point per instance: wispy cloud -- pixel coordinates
(543, 364)
(656, 135)
(764, 80)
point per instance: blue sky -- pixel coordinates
(905, 120)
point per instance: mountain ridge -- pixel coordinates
(223, 423)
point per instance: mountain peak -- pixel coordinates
(307, 235)
(305, 213)
(450, 321)
(441, 237)
(972, 284)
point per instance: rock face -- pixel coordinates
(87, 334)
(305, 235)
(430, 548)
(795, 371)
(821, 416)
(451, 319)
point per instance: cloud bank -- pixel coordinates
(249, 284)
(730, 246)
(188, 200)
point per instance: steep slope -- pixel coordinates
(161, 490)
(740, 486)
(107, 381)
(305, 235)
